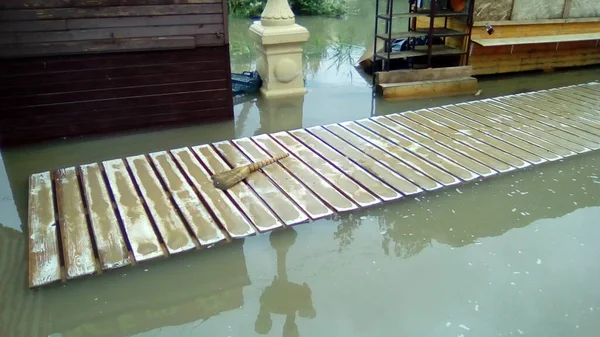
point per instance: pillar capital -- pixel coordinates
(277, 13)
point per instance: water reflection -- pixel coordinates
(283, 297)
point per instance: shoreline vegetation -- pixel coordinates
(253, 8)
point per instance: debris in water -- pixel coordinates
(448, 323)
(457, 190)
(514, 210)
(539, 261)
(476, 307)
(453, 212)
(478, 92)
(451, 229)
(520, 331)
(462, 326)
(512, 283)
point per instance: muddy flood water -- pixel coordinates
(513, 255)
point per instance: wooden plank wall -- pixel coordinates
(76, 67)
(541, 56)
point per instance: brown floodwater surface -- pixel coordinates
(514, 254)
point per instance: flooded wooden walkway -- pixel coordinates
(96, 217)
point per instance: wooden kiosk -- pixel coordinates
(77, 67)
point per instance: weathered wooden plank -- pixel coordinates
(421, 150)
(255, 209)
(44, 260)
(466, 139)
(283, 206)
(499, 110)
(138, 228)
(573, 106)
(484, 118)
(335, 176)
(97, 46)
(367, 180)
(229, 216)
(33, 26)
(90, 35)
(455, 113)
(563, 109)
(193, 210)
(167, 220)
(497, 143)
(568, 133)
(581, 96)
(557, 113)
(143, 21)
(446, 172)
(577, 99)
(76, 241)
(110, 244)
(11, 4)
(322, 187)
(432, 74)
(411, 173)
(307, 200)
(369, 164)
(105, 12)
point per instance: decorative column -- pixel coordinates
(279, 43)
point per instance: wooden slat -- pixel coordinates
(322, 187)
(138, 228)
(11, 4)
(475, 142)
(575, 105)
(405, 168)
(44, 260)
(491, 42)
(580, 114)
(484, 118)
(76, 241)
(194, 212)
(110, 244)
(424, 151)
(383, 125)
(143, 21)
(106, 12)
(580, 96)
(283, 206)
(90, 35)
(369, 164)
(77, 47)
(455, 113)
(229, 216)
(573, 135)
(557, 112)
(349, 187)
(255, 209)
(307, 200)
(497, 143)
(33, 26)
(348, 167)
(499, 110)
(578, 100)
(446, 172)
(167, 220)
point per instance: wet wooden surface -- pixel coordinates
(126, 211)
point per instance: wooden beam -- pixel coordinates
(431, 74)
(567, 8)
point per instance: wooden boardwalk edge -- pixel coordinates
(89, 219)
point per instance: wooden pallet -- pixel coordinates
(96, 217)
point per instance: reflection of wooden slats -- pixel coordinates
(319, 186)
(44, 260)
(258, 213)
(110, 244)
(354, 171)
(301, 195)
(141, 235)
(169, 224)
(366, 162)
(194, 212)
(261, 184)
(76, 242)
(348, 186)
(230, 217)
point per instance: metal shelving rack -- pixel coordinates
(430, 50)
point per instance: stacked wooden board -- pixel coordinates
(100, 216)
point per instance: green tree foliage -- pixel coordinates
(253, 8)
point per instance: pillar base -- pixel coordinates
(279, 62)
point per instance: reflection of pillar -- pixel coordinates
(284, 297)
(279, 42)
(280, 114)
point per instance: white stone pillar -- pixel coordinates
(279, 44)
